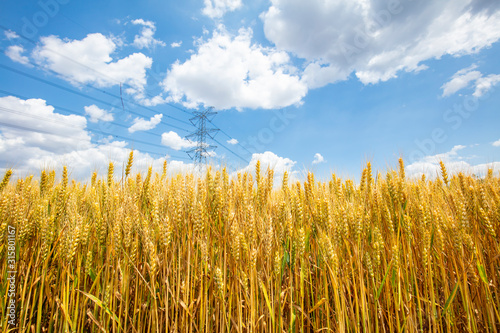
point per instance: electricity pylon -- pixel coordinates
(200, 152)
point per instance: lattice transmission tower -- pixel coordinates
(202, 149)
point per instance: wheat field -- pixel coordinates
(248, 253)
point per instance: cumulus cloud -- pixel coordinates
(89, 61)
(317, 75)
(179, 167)
(448, 156)
(377, 39)
(15, 53)
(10, 35)
(217, 8)
(318, 158)
(173, 140)
(270, 160)
(146, 38)
(176, 44)
(229, 71)
(33, 137)
(209, 154)
(153, 101)
(141, 124)
(454, 162)
(50, 131)
(484, 84)
(460, 80)
(95, 113)
(232, 141)
(496, 143)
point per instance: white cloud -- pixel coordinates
(232, 141)
(317, 75)
(82, 162)
(271, 160)
(496, 143)
(96, 114)
(146, 38)
(89, 61)
(141, 124)
(448, 156)
(484, 84)
(15, 53)
(377, 39)
(153, 101)
(217, 8)
(460, 80)
(229, 71)
(179, 167)
(209, 154)
(176, 44)
(454, 162)
(52, 132)
(147, 24)
(464, 77)
(34, 137)
(318, 158)
(173, 140)
(11, 34)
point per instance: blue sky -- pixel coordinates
(319, 85)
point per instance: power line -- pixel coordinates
(67, 124)
(94, 70)
(199, 151)
(50, 133)
(38, 117)
(30, 129)
(77, 92)
(73, 111)
(243, 159)
(230, 137)
(82, 94)
(131, 102)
